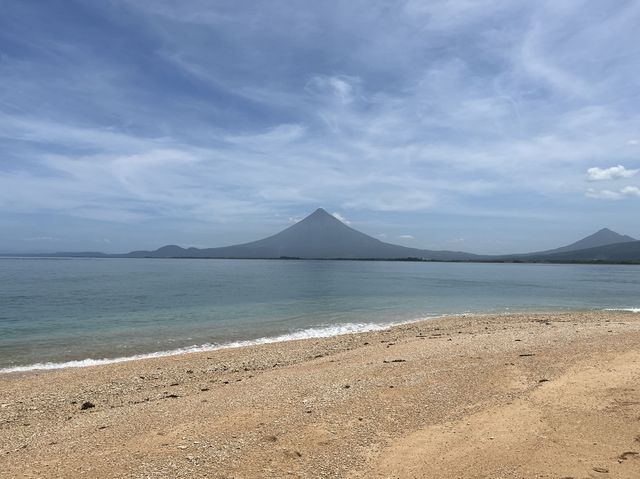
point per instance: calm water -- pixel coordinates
(60, 310)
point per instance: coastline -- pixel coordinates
(300, 335)
(398, 402)
(320, 332)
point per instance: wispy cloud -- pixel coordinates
(341, 218)
(626, 192)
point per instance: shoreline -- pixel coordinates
(318, 332)
(449, 397)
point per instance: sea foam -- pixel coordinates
(310, 333)
(629, 310)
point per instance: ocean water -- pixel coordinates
(75, 312)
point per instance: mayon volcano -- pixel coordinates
(322, 236)
(319, 236)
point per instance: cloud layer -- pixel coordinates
(140, 121)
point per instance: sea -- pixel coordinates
(74, 312)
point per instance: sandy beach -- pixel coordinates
(548, 395)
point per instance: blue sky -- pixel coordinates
(480, 125)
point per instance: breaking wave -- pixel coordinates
(310, 333)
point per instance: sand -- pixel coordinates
(505, 396)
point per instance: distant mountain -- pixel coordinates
(318, 236)
(322, 236)
(600, 238)
(587, 248)
(624, 252)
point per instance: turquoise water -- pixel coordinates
(62, 310)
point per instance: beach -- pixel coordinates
(553, 395)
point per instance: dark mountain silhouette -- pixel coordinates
(322, 236)
(603, 237)
(318, 236)
(625, 252)
(603, 245)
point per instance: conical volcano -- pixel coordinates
(318, 236)
(321, 235)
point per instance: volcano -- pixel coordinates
(318, 236)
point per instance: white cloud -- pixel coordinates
(406, 237)
(603, 194)
(338, 216)
(612, 173)
(613, 195)
(630, 191)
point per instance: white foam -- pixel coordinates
(311, 333)
(629, 310)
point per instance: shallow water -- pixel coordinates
(61, 310)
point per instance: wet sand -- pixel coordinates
(501, 396)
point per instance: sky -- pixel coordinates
(489, 126)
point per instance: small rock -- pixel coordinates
(626, 455)
(602, 470)
(87, 405)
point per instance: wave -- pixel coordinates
(629, 310)
(310, 333)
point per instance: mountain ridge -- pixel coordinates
(602, 237)
(320, 235)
